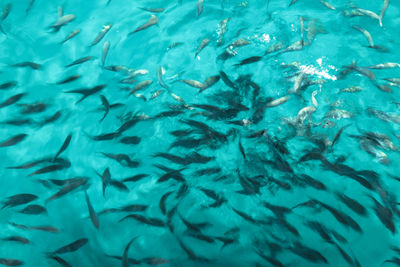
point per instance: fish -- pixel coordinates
(51, 168)
(199, 7)
(202, 45)
(19, 199)
(277, 102)
(249, 60)
(292, 2)
(86, 92)
(140, 86)
(135, 178)
(10, 262)
(337, 135)
(62, 21)
(162, 204)
(60, 260)
(351, 203)
(307, 253)
(387, 65)
(16, 139)
(32, 65)
(368, 13)
(153, 10)
(69, 79)
(64, 146)
(125, 261)
(149, 221)
(18, 239)
(8, 85)
(327, 5)
(101, 34)
(69, 187)
(210, 81)
(30, 5)
(71, 35)
(71, 247)
(106, 47)
(79, 61)
(160, 72)
(382, 13)
(221, 31)
(385, 215)
(6, 12)
(130, 140)
(366, 34)
(193, 83)
(153, 20)
(106, 105)
(105, 178)
(33, 210)
(92, 213)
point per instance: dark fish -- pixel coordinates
(33, 210)
(135, 178)
(122, 159)
(163, 199)
(154, 261)
(51, 119)
(351, 204)
(74, 246)
(87, 92)
(249, 60)
(69, 187)
(336, 138)
(92, 213)
(8, 85)
(385, 215)
(154, 10)
(150, 221)
(119, 185)
(32, 108)
(125, 262)
(51, 168)
(44, 228)
(12, 100)
(13, 140)
(105, 178)
(103, 137)
(31, 65)
(342, 218)
(106, 105)
(226, 80)
(241, 149)
(210, 81)
(101, 34)
(308, 253)
(60, 260)
(10, 262)
(18, 239)
(69, 79)
(79, 61)
(130, 140)
(18, 199)
(64, 145)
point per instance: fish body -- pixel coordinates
(102, 33)
(106, 47)
(152, 21)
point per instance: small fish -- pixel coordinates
(10, 262)
(130, 140)
(33, 210)
(327, 5)
(278, 101)
(193, 83)
(30, 6)
(385, 6)
(25, 64)
(8, 85)
(92, 213)
(64, 145)
(154, 10)
(69, 187)
(368, 13)
(202, 45)
(62, 21)
(221, 31)
(51, 168)
(13, 140)
(163, 199)
(292, 2)
(106, 105)
(6, 12)
(152, 21)
(337, 135)
(102, 33)
(105, 178)
(249, 60)
(69, 79)
(199, 7)
(125, 261)
(18, 239)
(387, 65)
(71, 35)
(106, 47)
(87, 92)
(140, 86)
(19, 199)
(366, 34)
(210, 81)
(60, 260)
(79, 61)
(74, 246)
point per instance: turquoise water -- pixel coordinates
(215, 173)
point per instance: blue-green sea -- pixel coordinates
(200, 133)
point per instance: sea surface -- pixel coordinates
(200, 133)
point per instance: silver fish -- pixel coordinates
(152, 21)
(106, 47)
(102, 33)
